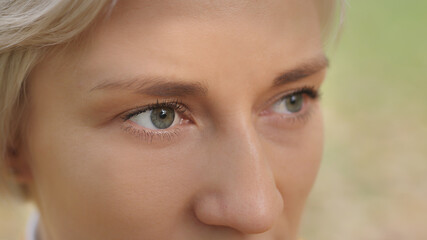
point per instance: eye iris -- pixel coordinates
(162, 117)
(294, 102)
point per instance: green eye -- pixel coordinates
(162, 117)
(156, 118)
(289, 104)
(294, 102)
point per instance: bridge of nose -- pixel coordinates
(242, 193)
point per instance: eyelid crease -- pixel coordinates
(307, 69)
(168, 86)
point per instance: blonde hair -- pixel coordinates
(28, 29)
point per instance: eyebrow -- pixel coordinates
(168, 87)
(155, 86)
(304, 70)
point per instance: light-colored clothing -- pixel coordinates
(32, 224)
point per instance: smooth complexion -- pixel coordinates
(240, 156)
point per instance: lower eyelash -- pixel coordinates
(151, 136)
(301, 118)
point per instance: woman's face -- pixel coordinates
(179, 120)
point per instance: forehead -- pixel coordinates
(198, 39)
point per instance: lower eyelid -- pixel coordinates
(150, 136)
(284, 122)
(169, 134)
(153, 135)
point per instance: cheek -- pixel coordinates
(295, 158)
(80, 172)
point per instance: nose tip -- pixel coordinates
(251, 213)
(239, 190)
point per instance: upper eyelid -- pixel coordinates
(169, 133)
(311, 91)
(152, 134)
(176, 105)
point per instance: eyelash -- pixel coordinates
(181, 109)
(304, 115)
(175, 104)
(309, 91)
(149, 135)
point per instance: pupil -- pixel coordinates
(163, 114)
(293, 99)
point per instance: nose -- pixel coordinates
(241, 192)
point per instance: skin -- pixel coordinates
(231, 169)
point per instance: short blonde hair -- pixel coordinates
(28, 30)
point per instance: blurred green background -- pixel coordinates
(373, 181)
